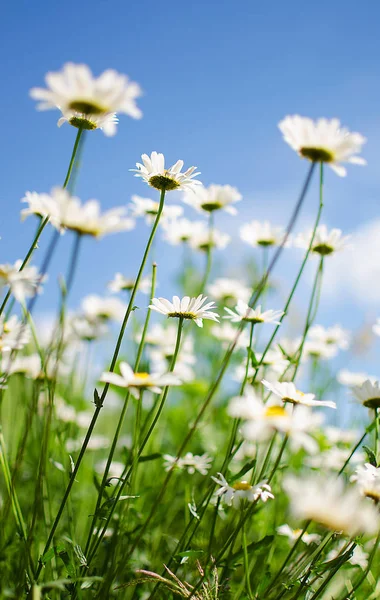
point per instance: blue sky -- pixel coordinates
(217, 77)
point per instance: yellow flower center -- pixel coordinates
(323, 249)
(211, 206)
(142, 376)
(183, 315)
(275, 411)
(242, 486)
(164, 182)
(82, 123)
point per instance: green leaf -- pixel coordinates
(97, 399)
(148, 457)
(52, 552)
(247, 467)
(371, 457)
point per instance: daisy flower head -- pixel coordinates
(152, 171)
(88, 102)
(241, 491)
(334, 336)
(266, 419)
(368, 393)
(288, 392)
(120, 283)
(226, 333)
(367, 478)
(145, 207)
(139, 381)
(38, 204)
(332, 504)
(324, 243)
(23, 283)
(323, 141)
(257, 233)
(202, 238)
(243, 312)
(14, 335)
(106, 123)
(179, 231)
(96, 308)
(294, 534)
(67, 212)
(228, 290)
(190, 462)
(214, 197)
(334, 459)
(193, 309)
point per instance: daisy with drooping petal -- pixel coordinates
(214, 197)
(23, 284)
(153, 172)
(121, 283)
(257, 233)
(226, 290)
(194, 309)
(367, 478)
(235, 494)
(88, 102)
(324, 242)
(145, 207)
(243, 312)
(288, 392)
(368, 393)
(106, 123)
(140, 381)
(294, 534)
(38, 204)
(329, 502)
(323, 141)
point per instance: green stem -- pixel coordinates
(45, 221)
(246, 564)
(122, 416)
(208, 254)
(145, 441)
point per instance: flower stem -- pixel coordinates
(208, 253)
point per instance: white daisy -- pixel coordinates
(194, 309)
(23, 284)
(239, 491)
(179, 231)
(367, 478)
(214, 197)
(121, 283)
(145, 207)
(266, 419)
(335, 336)
(226, 333)
(14, 335)
(225, 289)
(257, 233)
(329, 502)
(294, 534)
(96, 308)
(139, 381)
(243, 312)
(324, 242)
(202, 238)
(318, 349)
(86, 101)
(30, 366)
(106, 123)
(271, 366)
(153, 172)
(288, 392)
(335, 435)
(323, 141)
(67, 212)
(38, 204)
(81, 328)
(368, 393)
(190, 462)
